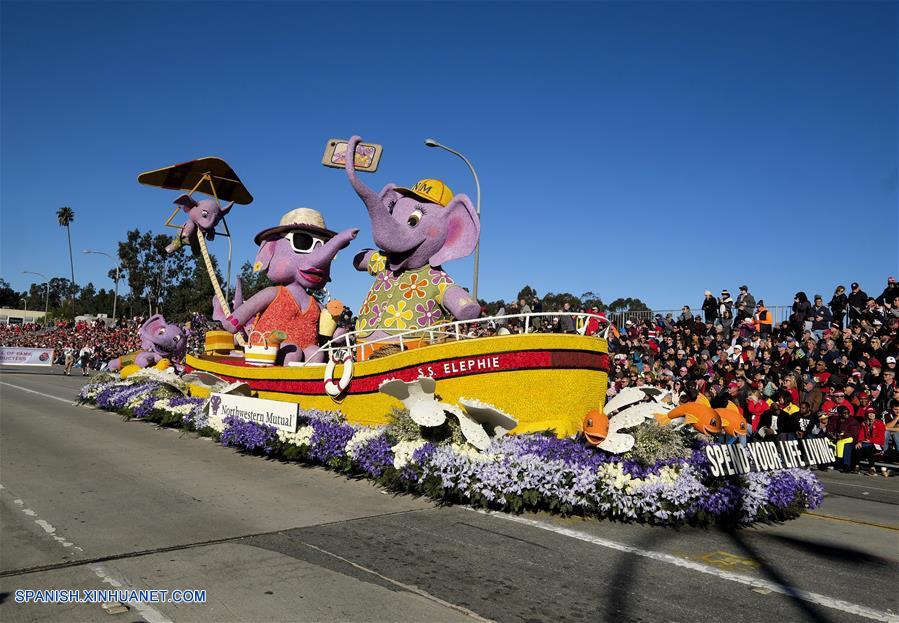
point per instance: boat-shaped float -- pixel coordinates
(547, 381)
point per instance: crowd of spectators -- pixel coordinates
(826, 371)
(84, 345)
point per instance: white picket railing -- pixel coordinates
(455, 330)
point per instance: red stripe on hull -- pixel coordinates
(443, 369)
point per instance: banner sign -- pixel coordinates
(281, 415)
(11, 356)
(763, 456)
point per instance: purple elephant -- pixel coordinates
(417, 229)
(296, 255)
(158, 340)
(202, 217)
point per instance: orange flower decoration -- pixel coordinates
(414, 288)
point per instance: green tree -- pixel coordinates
(554, 302)
(527, 293)
(87, 299)
(151, 273)
(627, 304)
(8, 296)
(64, 216)
(252, 282)
(592, 299)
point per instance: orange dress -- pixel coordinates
(285, 314)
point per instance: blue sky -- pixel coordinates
(632, 149)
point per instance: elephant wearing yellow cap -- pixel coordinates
(417, 229)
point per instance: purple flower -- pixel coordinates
(429, 313)
(329, 440)
(375, 456)
(384, 281)
(248, 435)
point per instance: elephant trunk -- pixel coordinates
(368, 196)
(324, 255)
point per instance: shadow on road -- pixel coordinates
(625, 582)
(829, 551)
(811, 611)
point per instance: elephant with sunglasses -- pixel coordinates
(416, 229)
(296, 256)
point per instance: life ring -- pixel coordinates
(333, 388)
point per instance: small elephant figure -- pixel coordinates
(159, 340)
(296, 256)
(417, 229)
(202, 217)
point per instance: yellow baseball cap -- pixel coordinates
(433, 191)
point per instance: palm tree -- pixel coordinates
(65, 216)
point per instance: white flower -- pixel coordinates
(472, 453)
(403, 451)
(361, 437)
(300, 438)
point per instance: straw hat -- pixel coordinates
(305, 219)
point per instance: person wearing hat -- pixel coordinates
(709, 308)
(746, 298)
(889, 293)
(764, 321)
(838, 304)
(820, 316)
(725, 312)
(296, 255)
(811, 394)
(857, 299)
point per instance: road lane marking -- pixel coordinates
(68, 401)
(849, 484)
(855, 521)
(102, 571)
(774, 587)
(151, 614)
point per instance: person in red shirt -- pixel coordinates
(820, 373)
(595, 322)
(837, 398)
(871, 435)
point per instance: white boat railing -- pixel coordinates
(455, 330)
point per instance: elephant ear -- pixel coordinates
(186, 202)
(149, 328)
(463, 227)
(388, 190)
(264, 256)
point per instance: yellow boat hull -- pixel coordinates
(545, 381)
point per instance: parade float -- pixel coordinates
(423, 395)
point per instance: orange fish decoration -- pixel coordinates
(733, 421)
(700, 414)
(596, 426)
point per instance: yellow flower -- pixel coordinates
(397, 315)
(377, 263)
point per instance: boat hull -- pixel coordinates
(545, 381)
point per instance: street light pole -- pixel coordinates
(47, 295)
(477, 249)
(115, 301)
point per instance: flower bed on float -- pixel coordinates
(517, 472)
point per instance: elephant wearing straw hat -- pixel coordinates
(417, 230)
(296, 255)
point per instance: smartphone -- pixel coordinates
(368, 155)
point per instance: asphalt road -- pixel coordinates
(89, 501)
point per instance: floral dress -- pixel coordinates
(404, 301)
